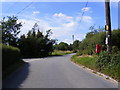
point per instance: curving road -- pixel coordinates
(55, 72)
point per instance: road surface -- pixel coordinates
(55, 72)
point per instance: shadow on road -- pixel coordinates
(17, 78)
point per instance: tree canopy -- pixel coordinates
(35, 44)
(10, 29)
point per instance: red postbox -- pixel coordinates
(98, 48)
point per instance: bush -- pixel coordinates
(35, 44)
(115, 49)
(10, 56)
(85, 52)
(103, 60)
(106, 63)
(87, 46)
(109, 64)
(61, 46)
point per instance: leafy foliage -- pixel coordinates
(116, 38)
(61, 46)
(103, 60)
(87, 46)
(10, 55)
(106, 63)
(35, 44)
(75, 45)
(109, 64)
(10, 29)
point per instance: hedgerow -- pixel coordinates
(10, 55)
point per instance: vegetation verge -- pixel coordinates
(91, 62)
(11, 59)
(11, 69)
(59, 52)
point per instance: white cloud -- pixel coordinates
(87, 19)
(28, 25)
(63, 30)
(69, 25)
(36, 12)
(86, 9)
(62, 25)
(68, 41)
(62, 16)
(79, 36)
(59, 15)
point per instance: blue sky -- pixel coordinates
(62, 17)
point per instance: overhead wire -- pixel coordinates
(84, 11)
(24, 8)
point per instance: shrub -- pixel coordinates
(10, 55)
(109, 64)
(103, 60)
(115, 49)
(88, 44)
(35, 44)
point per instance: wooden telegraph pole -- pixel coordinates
(108, 26)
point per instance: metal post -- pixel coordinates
(73, 38)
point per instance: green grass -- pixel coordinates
(57, 53)
(90, 62)
(112, 71)
(12, 68)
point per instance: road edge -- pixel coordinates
(106, 77)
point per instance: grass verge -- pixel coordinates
(90, 62)
(87, 61)
(12, 68)
(58, 53)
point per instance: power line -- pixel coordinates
(24, 8)
(83, 11)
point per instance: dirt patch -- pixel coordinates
(85, 56)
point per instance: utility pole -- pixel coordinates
(108, 26)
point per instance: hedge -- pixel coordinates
(106, 63)
(88, 45)
(109, 64)
(10, 56)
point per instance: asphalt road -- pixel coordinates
(55, 72)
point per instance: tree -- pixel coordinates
(76, 45)
(10, 29)
(35, 44)
(94, 30)
(63, 46)
(71, 47)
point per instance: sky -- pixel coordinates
(63, 18)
